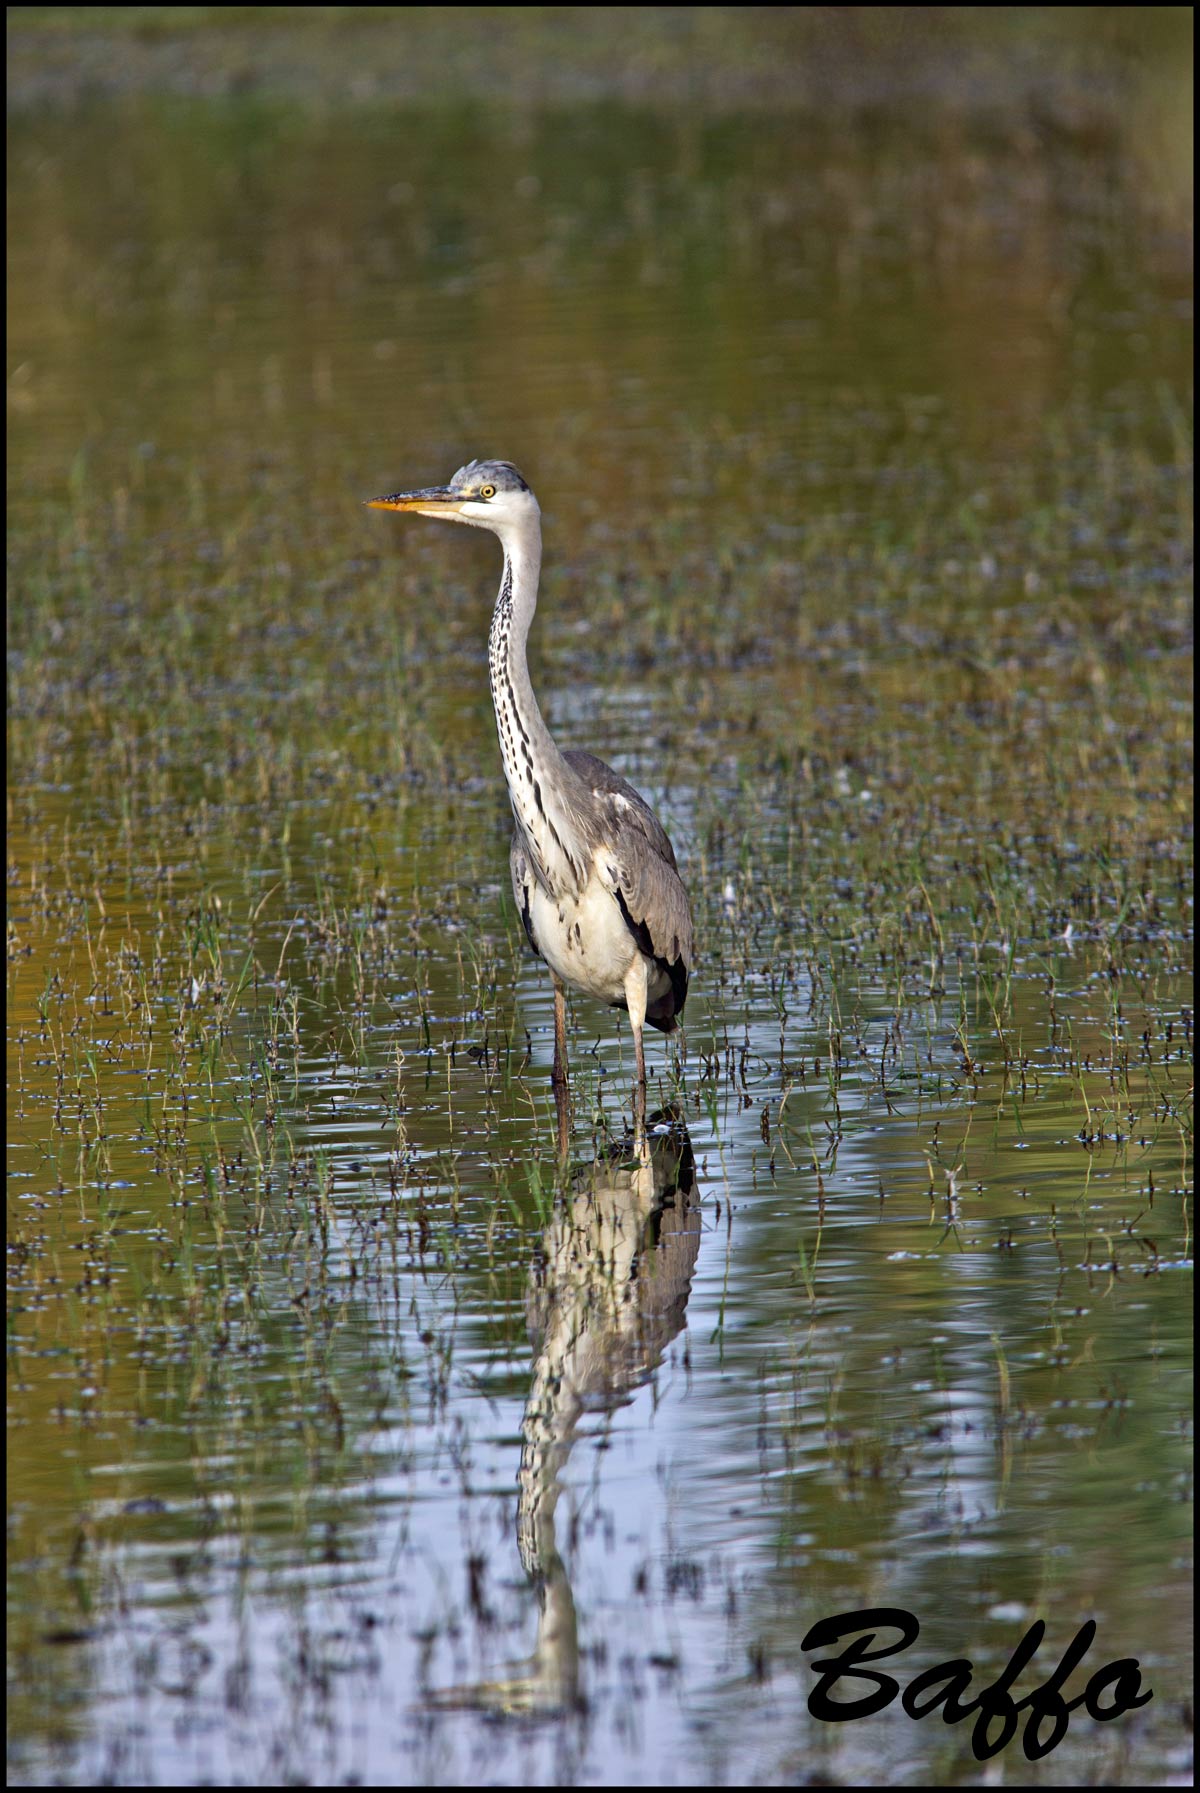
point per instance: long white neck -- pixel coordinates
(546, 793)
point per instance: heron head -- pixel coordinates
(490, 494)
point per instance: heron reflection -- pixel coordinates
(607, 1293)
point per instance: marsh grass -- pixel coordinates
(328, 1066)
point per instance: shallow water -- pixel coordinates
(350, 1438)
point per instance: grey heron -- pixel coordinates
(593, 872)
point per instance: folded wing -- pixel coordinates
(640, 863)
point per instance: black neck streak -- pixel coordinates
(527, 750)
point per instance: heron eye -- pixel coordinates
(487, 491)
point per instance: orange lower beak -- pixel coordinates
(434, 501)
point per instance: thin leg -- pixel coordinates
(639, 1092)
(559, 1074)
(562, 1110)
(641, 1057)
(635, 1000)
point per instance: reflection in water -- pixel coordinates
(607, 1293)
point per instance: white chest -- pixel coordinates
(584, 939)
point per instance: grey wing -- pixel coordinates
(649, 888)
(522, 883)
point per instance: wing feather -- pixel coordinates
(641, 860)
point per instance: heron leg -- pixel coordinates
(639, 1093)
(562, 1114)
(640, 1055)
(559, 1074)
(558, 1077)
(635, 997)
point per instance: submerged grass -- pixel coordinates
(963, 920)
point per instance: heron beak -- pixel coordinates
(434, 501)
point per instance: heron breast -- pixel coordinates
(584, 939)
